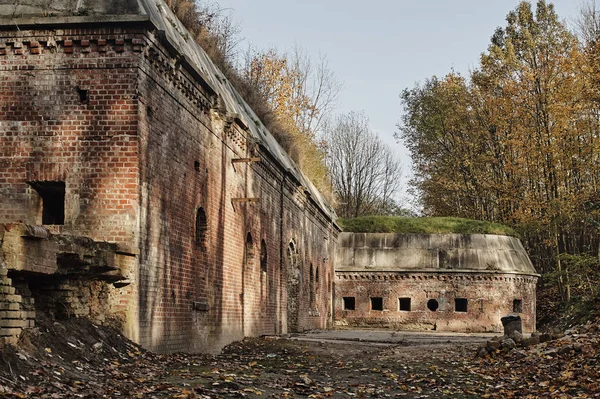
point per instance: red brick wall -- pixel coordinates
(489, 298)
(199, 298)
(138, 159)
(48, 133)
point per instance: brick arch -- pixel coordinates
(248, 285)
(201, 229)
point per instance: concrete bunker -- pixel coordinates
(446, 282)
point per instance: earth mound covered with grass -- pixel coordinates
(424, 225)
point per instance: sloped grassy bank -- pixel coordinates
(431, 225)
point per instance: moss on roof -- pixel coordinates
(433, 225)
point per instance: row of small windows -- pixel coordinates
(405, 304)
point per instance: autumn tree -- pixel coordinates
(290, 93)
(364, 171)
(518, 141)
(439, 130)
(300, 93)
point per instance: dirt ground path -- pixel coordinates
(98, 363)
(76, 359)
(343, 364)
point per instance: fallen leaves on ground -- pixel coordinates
(74, 359)
(568, 367)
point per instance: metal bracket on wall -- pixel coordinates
(244, 200)
(245, 160)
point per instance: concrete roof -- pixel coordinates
(25, 13)
(484, 253)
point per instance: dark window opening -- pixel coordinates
(263, 256)
(311, 286)
(517, 306)
(84, 95)
(317, 275)
(249, 251)
(404, 304)
(349, 303)
(433, 305)
(53, 200)
(201, 229)
(197, 166)
(460, 304)
(376, 303)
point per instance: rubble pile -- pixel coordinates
(560, 365)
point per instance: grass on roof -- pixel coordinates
(436, 225)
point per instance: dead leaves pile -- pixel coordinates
(565, 368)
(95, 363)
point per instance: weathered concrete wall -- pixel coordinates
(473, 280)
(386, 251)
(140, 131)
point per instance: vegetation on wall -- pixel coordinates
(290, 93)
(518, 141)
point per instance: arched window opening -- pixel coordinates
(263, 256)
(292, 252)
(201, 229)
(295, 288)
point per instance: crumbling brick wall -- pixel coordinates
(234, 283)
(61, 276)
(16, 312)
(486, 299)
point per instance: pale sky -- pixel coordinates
(378, 48)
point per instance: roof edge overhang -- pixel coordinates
(438, 271)
(37, 22)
